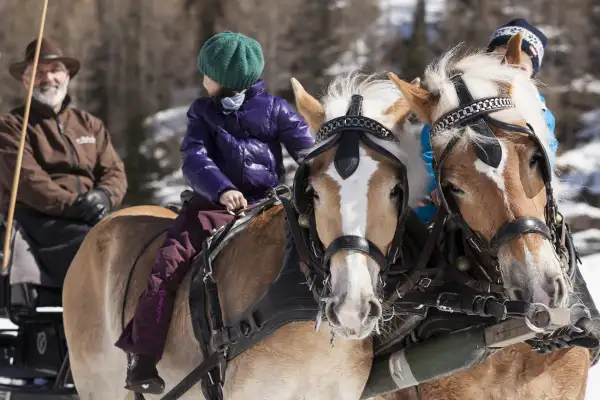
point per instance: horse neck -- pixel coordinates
(250, 262)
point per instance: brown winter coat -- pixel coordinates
(60, 161)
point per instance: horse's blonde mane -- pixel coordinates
(378, 93)
(484, 75)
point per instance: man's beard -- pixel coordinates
(50, 94)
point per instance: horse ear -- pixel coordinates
(309, 107)
(418, 99)
(398, 111)
(513, 49)
(401, 108)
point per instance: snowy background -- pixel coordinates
(579, 167)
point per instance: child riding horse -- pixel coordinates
(232, 156)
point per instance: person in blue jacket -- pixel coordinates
(533, 45)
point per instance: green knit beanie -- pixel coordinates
(233, 60)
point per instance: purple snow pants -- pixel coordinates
(146, 333)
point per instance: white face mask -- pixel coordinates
(234, 102)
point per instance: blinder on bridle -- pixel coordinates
(474, 114)
(347, 133)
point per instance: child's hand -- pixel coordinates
(233, 200)
(434, 196)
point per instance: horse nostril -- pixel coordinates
(522, 294)
(375, 310)
(557, 291)
(517, 294)
(331, 314)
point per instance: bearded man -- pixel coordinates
(71, 176)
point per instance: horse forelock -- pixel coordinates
(484, 76)
(378, 94)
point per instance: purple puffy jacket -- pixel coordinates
(241, 150)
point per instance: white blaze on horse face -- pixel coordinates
(351, 279)
(496, 175)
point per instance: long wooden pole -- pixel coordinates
(17, 175)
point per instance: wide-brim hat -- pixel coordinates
(48, 52)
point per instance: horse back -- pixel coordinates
(103, 267)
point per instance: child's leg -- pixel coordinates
(146, 333)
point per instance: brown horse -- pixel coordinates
(295, 362)
(487, 198)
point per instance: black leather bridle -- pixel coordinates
(346, 133)
(475, 115)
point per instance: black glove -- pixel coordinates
(90, 207)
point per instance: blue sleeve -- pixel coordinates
(426, 212)
(427, 156)
(199, 170)
(551, 122)
(292, 130)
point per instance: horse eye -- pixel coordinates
(395, 192)
(310, 191)
(535, 159)
(455, 190)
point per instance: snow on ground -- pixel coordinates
(587, 242)
(573, 210)
(168, 123)
(581, 165)
(591, 129)
(584, 159)
(585, 84)
(169, 188)
(401, 11)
